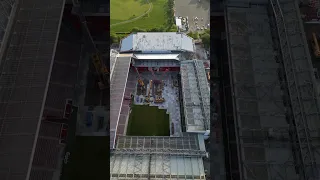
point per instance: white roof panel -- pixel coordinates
(157, 56)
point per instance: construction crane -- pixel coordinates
(315, 44)
(140, 81)
(101, 69)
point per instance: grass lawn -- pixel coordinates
(122, 10)
(147, 120)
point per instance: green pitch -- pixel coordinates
(147, 120)
(143, 14)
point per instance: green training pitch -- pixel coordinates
(126, 10)
(147, 120)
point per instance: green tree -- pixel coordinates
(136, 29)
(206, 40)
(114, 38)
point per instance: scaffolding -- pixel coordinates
(196, 94)
(276, 111)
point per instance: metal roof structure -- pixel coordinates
(157, 42)
(117, 90)
(158, 157)
(276, 110)
(196, 94)
(24, 80)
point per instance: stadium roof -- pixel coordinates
(158, 157)
(156, 167)
(156, 56)
(157, 42)
(118, 83)
(24, 84)
(196, 92)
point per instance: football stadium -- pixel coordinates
(159, 108)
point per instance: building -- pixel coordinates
(40, 52)
(272, 110)
(181, 154)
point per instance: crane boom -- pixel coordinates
(100, 67)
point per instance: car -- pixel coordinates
(201, 28)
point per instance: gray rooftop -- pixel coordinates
(196, 94)
(157, 42)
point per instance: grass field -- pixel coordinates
(123, 10)
(148, 121)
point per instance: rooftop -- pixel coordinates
(196, 94)
(157, 42)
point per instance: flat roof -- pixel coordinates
(196, 96)
(117, 89)
(157, 41)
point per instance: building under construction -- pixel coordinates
(41, 55)
(270, 106)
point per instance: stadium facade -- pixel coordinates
(151, 157)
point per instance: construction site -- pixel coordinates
(52, 56)
(151, 75)
(265, 63)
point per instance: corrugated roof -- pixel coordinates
(157, 41)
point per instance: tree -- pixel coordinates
(114, 38)
(136, 29)
(206, 40)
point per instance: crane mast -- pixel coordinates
(101, 69)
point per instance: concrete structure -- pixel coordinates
(275, 110)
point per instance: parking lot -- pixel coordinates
(198, 13)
